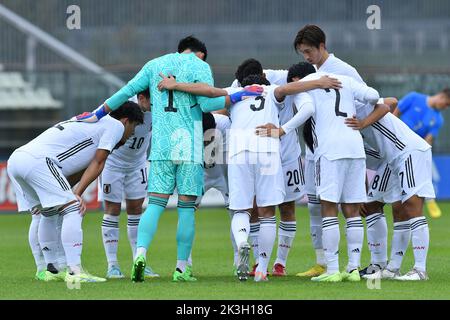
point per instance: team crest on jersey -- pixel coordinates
(106, 188)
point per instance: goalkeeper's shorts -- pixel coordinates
(186, 176)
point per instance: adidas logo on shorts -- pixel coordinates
(297, 190)
(356, 250)
(370, 194)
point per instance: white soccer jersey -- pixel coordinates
(134, 152)
(72, 145)
(390, 136)
(215, 152)
(289, 144)
(246, 115)
(337, 66)
(333, 138)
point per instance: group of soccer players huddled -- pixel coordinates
(243, 141)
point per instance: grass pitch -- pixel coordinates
(212, 265)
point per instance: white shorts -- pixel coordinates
(341, 180)
(38, 182)
(116, 184)
(384, 186)
(217, 178)
(253, 174)
(310, 186)
(294, 180)
(414, 172)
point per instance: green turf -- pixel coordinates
(212, 265)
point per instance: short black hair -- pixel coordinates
(446, 91)
(310, 35)
(129, 110)
(192, 43)
(307, 134)
(208, 121)
(300, 70)
(145, 93)
(248, 67)
(255, 79)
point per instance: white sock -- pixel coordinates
(189, 260)
(110, 236)
(141, 251)
(286, 235)
(240, 226)
(377, 238)
(48, 238)
(315, 226)
(420, 239)
(233, 242)
(266, 241)
(33, 240)
(61, 256)
(330, 240)
(132, 227)
(355, 239)
(253, 237)
(400, 240)
(181, 264)
(72, 236)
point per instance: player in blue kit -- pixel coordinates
(422, 114)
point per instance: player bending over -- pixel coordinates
(125, 176)
(39, 172)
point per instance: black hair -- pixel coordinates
(192, 43)
(446, 91)
(129, 110)
(300, 70)
(208, 121)
(248, 67)
(307, 134)
(255, 79)
(145, 93)
(310, 35)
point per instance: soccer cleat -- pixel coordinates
(242, 269)
(49, 277)
(260, 277)
(252, 273)
(137, 272)
(414, 275)
(352, 276)
(185, 276)
(370, 269)
(433, 209)
(189, 270)
(325, 277)
(114, 273)
(315, 271)
(40, 275)
(383, 274)
(83, 277)
(149, 273)
(279, 270)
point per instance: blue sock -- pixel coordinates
(186, 229)
(149, 221)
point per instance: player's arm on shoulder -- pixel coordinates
(323, 82)
(169, 82)
(363, 92)
(92, 171)
(305, 107)
(139, 83)
(378, 112)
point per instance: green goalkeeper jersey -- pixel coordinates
(177, 132)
